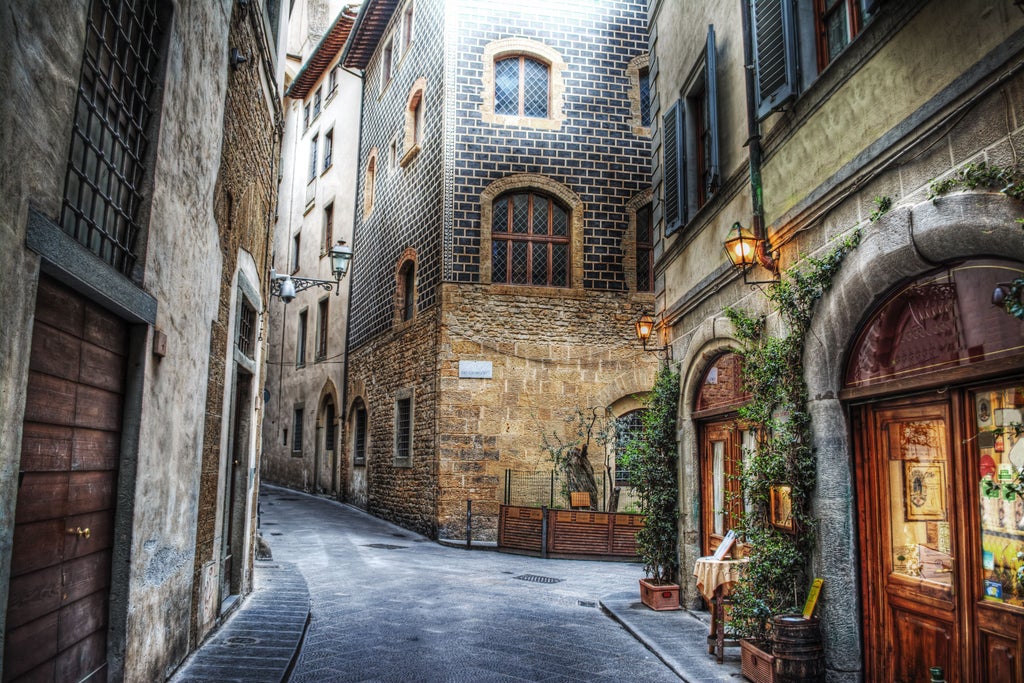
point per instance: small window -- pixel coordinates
(305, 117)
(417, 121)
(407, 291)
(317, 101)
(359, 436)
(645, 97)
(627, 427)
(521, 87)
(246, 327)
(644, 250)
(393, 154)
(330, 427)
(328, 234)
(370, 183)
(300, 341)
(313, 145)
(328, 149)
(296, 243)
(530, 240)
(386, 64)
(284, 433)
(838, 23)
(297, 430)
(322, 329)
(332, 82)
(403, 430)
(407, 27)
(414, 109)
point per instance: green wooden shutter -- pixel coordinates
(775, 54)
(675, 169)
(711, 90)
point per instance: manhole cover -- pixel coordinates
(587, 603)
(241, 640)
(277, 533)
(535, 578)
(384, 546)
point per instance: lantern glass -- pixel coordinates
(644, 327)
(741, 246)
(341, 255)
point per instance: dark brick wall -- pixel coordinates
(595, 153)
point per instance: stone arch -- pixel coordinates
(532, 181)
(636, 66)
(903, 244)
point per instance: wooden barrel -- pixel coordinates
(796, 644)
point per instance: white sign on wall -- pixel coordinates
(475, 369)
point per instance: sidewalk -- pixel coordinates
(262, 640)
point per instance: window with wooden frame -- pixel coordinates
(690, 145)
(332, 82)
(837, 23)
(414, 121)
(246, 337)
(317, 102)
(387, 63)
(407, 33)
(296, 243)
(313, 151)
(328, 149)
(359, 433)
(644, 249)
(521, 87)
(530, 242)
(323, 310)
(330, 426)
(327, 238)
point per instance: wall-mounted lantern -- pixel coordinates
(286, 287)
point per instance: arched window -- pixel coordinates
(414, 122)
(627, 426)
(407, 291)
(521, 87)
(330, 426)
(530, 242)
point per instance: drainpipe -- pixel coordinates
(764, 248)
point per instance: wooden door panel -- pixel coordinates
(100, 536)
(33, 595)
(86, 575)
(94, 449)
(101, 368)
(999, 662)
(45, 447)
(59, 307)
(90, 492)
(80, 619)
(87, 656)
(43, 495)
(97, 409)
(28, 646)
(49, 400)
(104, 329)
(37, 545)
(919, 643)
(56, 353)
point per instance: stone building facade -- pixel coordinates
(461, 357)
(906, 359)
(306, 361)
(139, 173)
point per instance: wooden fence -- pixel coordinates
(568, 533)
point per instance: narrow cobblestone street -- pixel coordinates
(389, 605)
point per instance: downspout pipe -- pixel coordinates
(753, 144)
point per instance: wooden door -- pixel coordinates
(910, 539)
(721, 464)
(64, 518)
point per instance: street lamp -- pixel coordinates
(286, 287)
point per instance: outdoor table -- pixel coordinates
(714, 581)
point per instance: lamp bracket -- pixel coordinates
(301, 284)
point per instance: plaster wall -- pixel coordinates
(301, 211)
(159, 475)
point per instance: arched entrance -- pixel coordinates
(325, 464)
(722, 441)
(935, 388)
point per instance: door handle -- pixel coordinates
(80, 532)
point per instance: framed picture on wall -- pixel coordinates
(924, 491)
(782, 506)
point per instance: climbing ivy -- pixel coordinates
(775, 580)
(1009, 181)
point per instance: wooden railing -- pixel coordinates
(568, 532)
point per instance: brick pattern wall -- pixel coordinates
(594, 152)
(407, 200)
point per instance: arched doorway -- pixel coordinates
(935, 388)
(326, 465)
(359, 446)
(722, 441)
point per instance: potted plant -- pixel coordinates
(650, 456)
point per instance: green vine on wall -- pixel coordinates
(1009, 181)
(775, 580)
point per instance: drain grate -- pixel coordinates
(277, 533)
(241, 640)
(536, 578)
(586, 603)
(384, 546)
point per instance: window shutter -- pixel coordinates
(711, 88)
(775, 56)
(675, 171)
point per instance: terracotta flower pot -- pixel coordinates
(659, 596)
(756, 661)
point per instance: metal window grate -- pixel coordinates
(246, 329)
(403, 429)
(102, 191)
(536, 578)
(359, 452)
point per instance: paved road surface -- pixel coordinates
(389, 605)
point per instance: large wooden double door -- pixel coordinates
(57, 610)
(940, 531)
